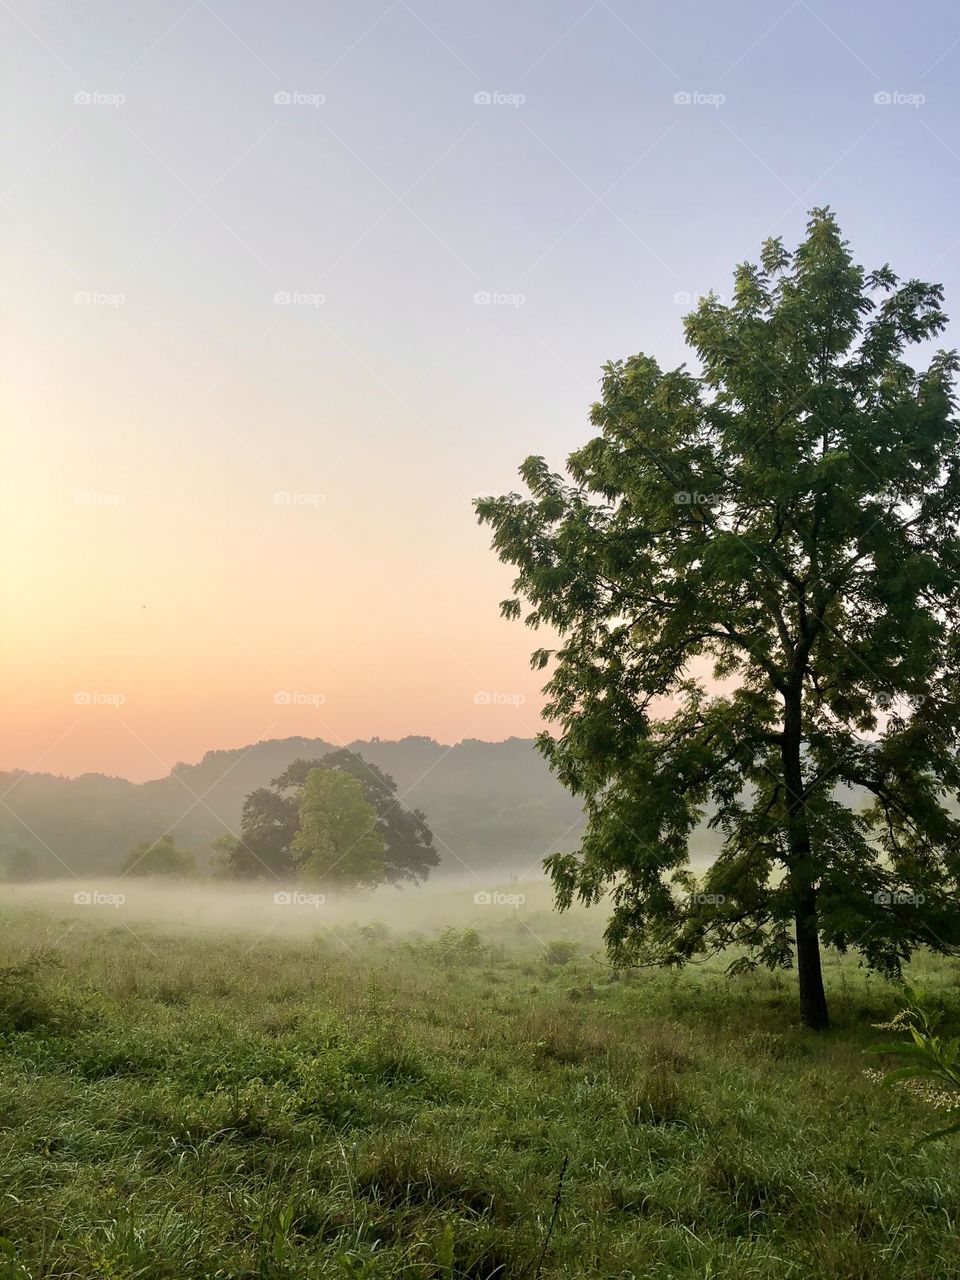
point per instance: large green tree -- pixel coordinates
(338, 841)
(268, 823)
(754, 573)
(272, 816)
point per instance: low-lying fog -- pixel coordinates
(293, 910)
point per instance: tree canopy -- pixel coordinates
(280, 834)
(754, 573)
(159, 858)
(338, 840)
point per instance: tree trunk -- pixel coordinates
(802, 874)
(813, 1000)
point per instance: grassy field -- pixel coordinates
(368, 1104)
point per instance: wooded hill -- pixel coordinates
(493, 805)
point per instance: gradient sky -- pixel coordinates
(157, 597)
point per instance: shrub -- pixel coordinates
(24, 1001)
(932, 1070)
(453, 947)
(560, 951)
(159, 858)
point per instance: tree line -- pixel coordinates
(335, 821)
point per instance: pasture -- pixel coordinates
(477, 1098)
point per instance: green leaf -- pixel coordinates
(940, 1133)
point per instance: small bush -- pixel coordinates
(375, 933)
(453, 947)
(24, 1001)
(159, 858)
(560, 951)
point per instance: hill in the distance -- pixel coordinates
(492, 805)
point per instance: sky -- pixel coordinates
(285, 286)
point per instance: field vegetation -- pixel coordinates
(477, 1099)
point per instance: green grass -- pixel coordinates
(198, 1106)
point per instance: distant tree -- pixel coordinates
(159, 858)
(338, 841)
(790, 515)
(272, 818)
(408, 841)
(221, 867)
(21, 866)
(268, 824)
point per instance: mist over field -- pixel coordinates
(293, 910)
